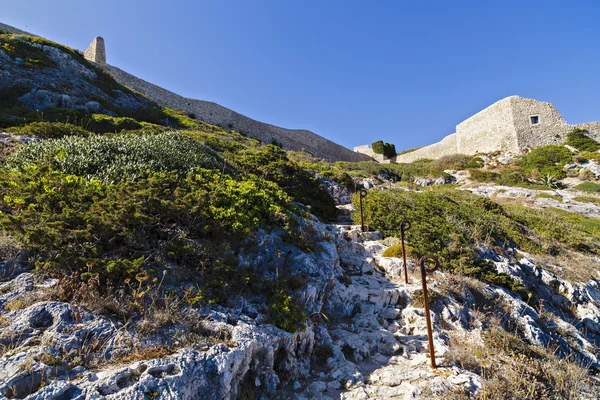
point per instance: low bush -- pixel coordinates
(101, 123)
(588, 199)
(396, 251)
(579, 139)
(50, 130)
(120, 234)
(452, 224)
(456, 161)
(548, 196)
(546, 160)
(271, 163)
(589, 187)
(111, 159)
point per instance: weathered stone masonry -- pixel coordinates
(218, 115)
(513, 124)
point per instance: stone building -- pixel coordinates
(513, 124)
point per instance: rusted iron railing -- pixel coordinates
(424, 271)
(404, 226)
(363, 193)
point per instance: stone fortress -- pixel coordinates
(513, 124)
(291, 139)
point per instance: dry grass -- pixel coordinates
(512, 369)
(571, 266)
(28, 299)
(9, 248)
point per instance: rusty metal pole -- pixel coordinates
(404, 226)
(424, 271)
(362, 194)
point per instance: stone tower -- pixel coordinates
(96, 51)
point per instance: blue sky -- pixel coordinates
(352, 71)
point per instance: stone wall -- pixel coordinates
(504, 126)
(291, 139)
(12, 29)
(489, 130)
(445, 147)
(368, 150)
(551, 128)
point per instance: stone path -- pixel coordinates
(377, 335)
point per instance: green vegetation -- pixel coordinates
(17, 47)
(581, 141)
(126, 232)
(50, 130)
(505, 177)
(451, 224)
(100, 123)
(381, 147)
(588, 199)
(396, 251)
(548, 196)
(271, 163)
(110, 159)
(546, 160)
(589, 187)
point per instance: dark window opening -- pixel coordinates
(534, 120)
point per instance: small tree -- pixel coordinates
(387, 149)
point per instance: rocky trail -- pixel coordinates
(366, 336)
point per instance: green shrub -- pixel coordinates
(589, 187)
(588, 199)
(387, 149)
(579, 139)
(454, 161)
(271, 163)
(396, 251)
(50, 130)
(508, 177)
(475, 162)
(589, 155)
(120, 233)
(101, 123)
(113, 225)
(17, 46)
(547, 160)
(548, 196)
(114, 158)
(451, 224)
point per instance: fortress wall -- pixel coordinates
(592, 127)
(368, 150)
(488, 131)
(445, 147)
(291, 139)
(551, 129)
(12, 29)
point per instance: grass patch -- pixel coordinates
(588, 199)
(549, 196)
(589, 187)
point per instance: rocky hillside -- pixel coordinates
(147, 255)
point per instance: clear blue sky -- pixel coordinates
(352, 71)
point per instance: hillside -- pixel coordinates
(65, 78)
(145, 254)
